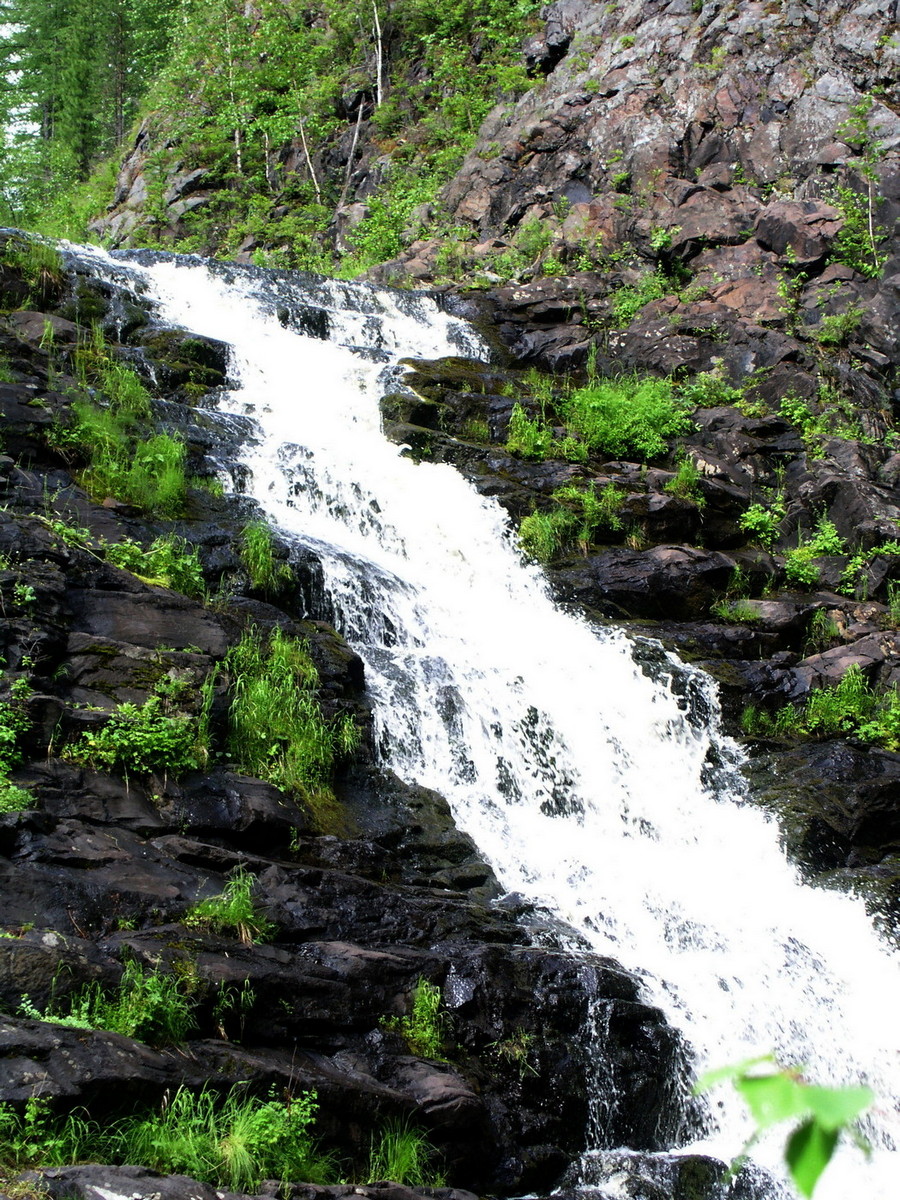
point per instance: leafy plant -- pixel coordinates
(821, 1114)
(139, 739)
(835, 329)
(625, 416)
(686, 484)
(402, 1155)
(739, 611)
(14, 721)
(628, 301)
(148, 1005)
(763, 522)
(168, 561)
(233, 910)
(798, 563)
(710, 389)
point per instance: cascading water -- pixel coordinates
(587, 782)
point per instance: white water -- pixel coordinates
(580, 779)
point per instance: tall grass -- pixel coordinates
(232, 1141)
(403, 1155)
(276, 728)
(626, 417)
(233, 910)
(267, 574)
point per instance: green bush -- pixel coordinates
(14, 721)
(710, 389)
(626, 416)
(168, 562)
(798, 563)
(147, 1005)
(232, 911)
(850, 707)
(139, 739)
(763, 523)
(276, 728)
(628, 301)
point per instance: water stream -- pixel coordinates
(592, 786)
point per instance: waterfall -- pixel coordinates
(598, 789)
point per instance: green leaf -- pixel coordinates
(710, 1079)
(774, 1098)
(808, 1152)
(835, 1107)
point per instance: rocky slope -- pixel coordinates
(100, 868)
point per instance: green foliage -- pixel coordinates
(798, 563)
(854, 578)
(402, 1155)
(850, 707)
(168, 562)
(626, 416)
(821, 1114)
(148, 1005)
(739, 611)
(425, 1027)
(628, 301)
(837, 328)
(140, 739)
(763, 522)
(276, 728)
(686, 484)
(528, 437)
(233, 910)
(267, 574)
(14, 721)
(232, 1141)
(577, 519)
(710, 389)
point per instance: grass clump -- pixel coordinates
(233, 910)
(628, 301)
(686, 484)
(267, 574)
(799, 565)
(528, 437)
(404, 1155)
(424, 1027)
(579, 516)
(276, 727)
(147, 1005)
(850, 707)
(232, 1141)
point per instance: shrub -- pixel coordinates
(626, 416)
(710, 389)
(686, 484)
(233, 910)
(267, 574)
(232, 1141)
(628, 301)
(843, 709)
(14, 722)
(402, 1155)
(799, 566)
(147, 1005)
(168, 561)
(276, 728)
(836, 328)
(140, 739)
(763, 523)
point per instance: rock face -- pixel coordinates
(99, 869)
